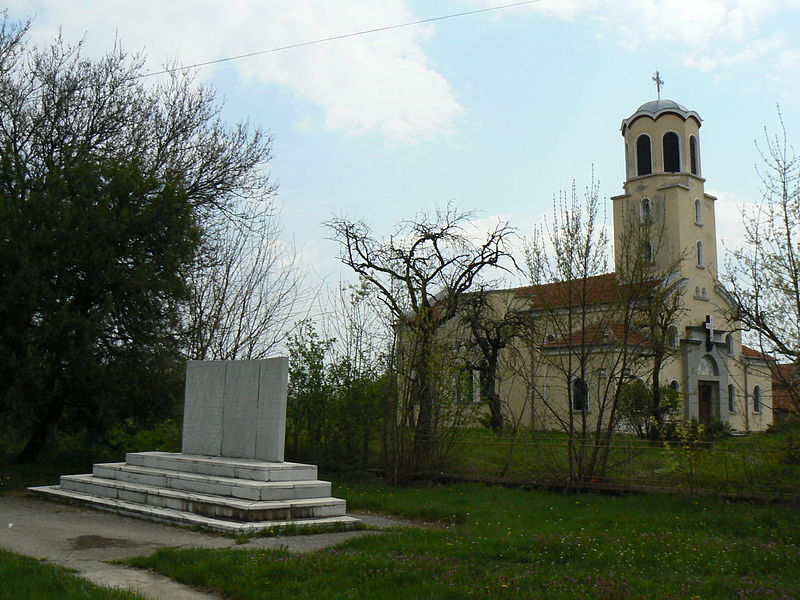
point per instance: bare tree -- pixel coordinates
(56, 106)
(421, 274)
(246, 287)
(592, 332)
(764, 276)
(492, 325)
(654, 288)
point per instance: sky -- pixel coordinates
(495, 111)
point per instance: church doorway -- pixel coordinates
(707, 392)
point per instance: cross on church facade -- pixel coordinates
(659, 82)
(709, 325)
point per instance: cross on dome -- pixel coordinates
(659, 82)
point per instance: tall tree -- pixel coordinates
(93, 262)
(764, 275)
(592, 332)
(87, 129)
(421, 274)
(492, 324)
(245, 288)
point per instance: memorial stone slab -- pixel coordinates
(203, 406)
(271, 419)
(236, 409)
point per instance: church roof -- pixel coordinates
(600, 289)
(749, 352)
(599, 335)
(784, 387)
(656, 108)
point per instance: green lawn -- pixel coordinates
(760, 463)
(23, 578)
(494, 542)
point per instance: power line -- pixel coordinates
(337, 37)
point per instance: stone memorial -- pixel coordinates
(230, 474)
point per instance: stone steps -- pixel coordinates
(246, 489)
(236, 468)
(243, 494)
(177, 517)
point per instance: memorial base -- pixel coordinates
(234, 495)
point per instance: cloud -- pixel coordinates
(305, 125)
(707, 34)
(372, 83)
(728, 211)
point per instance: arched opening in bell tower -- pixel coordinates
(672, 153)
(644, 158)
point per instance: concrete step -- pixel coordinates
(246, 489)
(235, 468)
(178, 517)
(209, 505)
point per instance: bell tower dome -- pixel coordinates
(661, 137)
(664, 190)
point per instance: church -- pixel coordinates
(567, 377)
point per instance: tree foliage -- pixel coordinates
(110, 180)
(336, 405)
(93, 261)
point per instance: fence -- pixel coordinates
(739, 467)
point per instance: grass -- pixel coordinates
(15, 477)
(494, 542)
(292, 530)
(23, 578)
(758, 463)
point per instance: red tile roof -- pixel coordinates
(599, 289)
(751, 353)
(601, 335)
(782, 382)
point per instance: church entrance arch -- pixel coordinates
(707, 390)
(707, 402)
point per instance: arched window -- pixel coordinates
(644, 160)
(674, 340)
(731, 399)
(697, 292)
(675, 386)
(467, 386)
(729, 343)
(580, 396)
(704, 293)
(693, 155)
(701, 259)
(650, 252)
(672, 153)
(647, 210)
(698, 212)
(756, 399)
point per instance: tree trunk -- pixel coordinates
(423, 395)
(490, 395)
(653, 427)
(41, 432)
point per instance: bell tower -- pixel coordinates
(664, 194)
